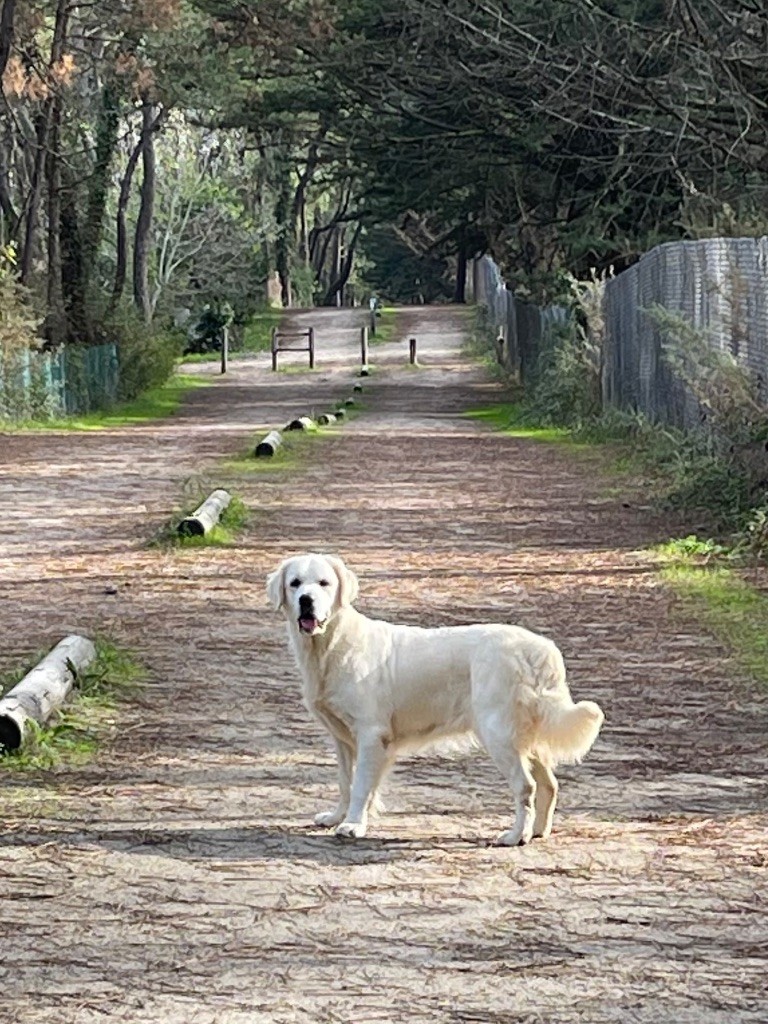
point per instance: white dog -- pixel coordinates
(381, 689)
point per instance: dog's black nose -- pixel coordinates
(306, 604)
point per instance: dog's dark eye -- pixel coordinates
(295, 583)
(324, 583)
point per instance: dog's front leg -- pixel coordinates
(344, 760)
(373, 759)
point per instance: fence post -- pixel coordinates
(364, 346)
(412, 350)
(224, 348)
(311, 348)
(274, 349)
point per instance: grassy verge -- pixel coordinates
(711, 589)
(733, 610)
(386, 326)
(155, 404)
(508, 418)
(256, 337)
(74, 733)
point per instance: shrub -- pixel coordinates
(147, 357)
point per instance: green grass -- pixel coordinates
(74, 733)
(155, 404)
(386, 326)
(507, 417)
(734, 611)
(256, 337)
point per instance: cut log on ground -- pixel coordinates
(340, 413)
(204, 518)
(357, 387)
(365, 371)
(268, 445)
(326, 419)
(43, 690)
(300, 423)
(349, 402)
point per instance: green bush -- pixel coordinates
(147, 356)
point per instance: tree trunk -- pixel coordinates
(460, 291)
(121, 255)
(143, 239)
(43, 125)
(56, 321)
(283, 241)
(336, 287)
(100, 181)
(7, 33)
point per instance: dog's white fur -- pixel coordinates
(382, 689)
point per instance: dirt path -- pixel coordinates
(177, 880)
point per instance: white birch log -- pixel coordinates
(340, 413)
(326, 419)
(268, 445)
(364, 370)
(44, 689)
(300, 423)
(204, 518)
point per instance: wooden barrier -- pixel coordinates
(205, 517)
(224, 349)
(268, 445)
(288, 341)
(43, 690)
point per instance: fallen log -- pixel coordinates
(43, 690)
(205, 517)
(300, 423)
(268, 445)
(327, 419)
(357, 387)
(340, 412)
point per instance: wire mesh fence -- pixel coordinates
(718, 287)
(70, 380)
(523, 329)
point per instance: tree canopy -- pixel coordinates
(170, 153)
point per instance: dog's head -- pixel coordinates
(311, 589)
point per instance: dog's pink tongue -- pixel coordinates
(308, 624)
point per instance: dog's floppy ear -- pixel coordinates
(348, 583)
(276, 587)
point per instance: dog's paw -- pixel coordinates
(329, 818)
(350, 830)
(514, 837)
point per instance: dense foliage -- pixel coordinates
(178, 154)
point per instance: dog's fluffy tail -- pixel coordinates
(568, 729)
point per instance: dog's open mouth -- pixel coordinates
(310, 625)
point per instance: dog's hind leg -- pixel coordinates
(545, 798)
(344, 759)
(374, 758)
(515, 768)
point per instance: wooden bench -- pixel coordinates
(291, 341)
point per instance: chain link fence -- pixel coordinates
(719, 287)
(70, 380)
(523, 329)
